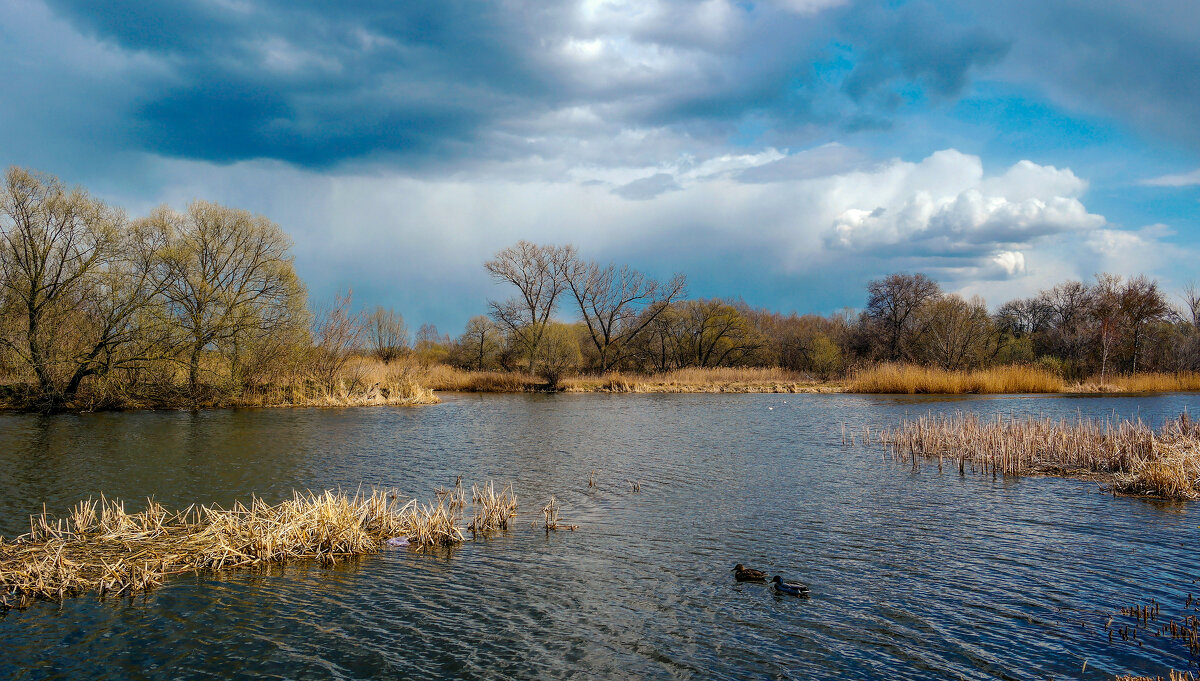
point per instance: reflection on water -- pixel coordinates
(914, 575)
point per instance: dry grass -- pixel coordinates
(695, 380)
(701, 380)
(1132, 457)
(448, 378)
(1174, 676)
(911, 379)
(100, 547)
(1187, 381)
(492, 509)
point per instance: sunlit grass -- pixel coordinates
(99, 546)
(911, 379)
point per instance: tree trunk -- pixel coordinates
(194, 369)
(37, 356)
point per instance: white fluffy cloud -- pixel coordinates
(946, 204)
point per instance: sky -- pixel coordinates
(784, 152)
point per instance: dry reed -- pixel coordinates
(1187, 381)
(99, 546)
(1174, 676)
(550, 515)
(492, 509)
(911, 379)
(1132, 457)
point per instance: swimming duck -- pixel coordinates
(744, 574)
(793, 588)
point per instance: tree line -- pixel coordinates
(198, 305)
(622, 319)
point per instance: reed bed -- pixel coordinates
(1131, 457)
(100, 547)
(913, 380)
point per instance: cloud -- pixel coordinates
(418, 243)
(945, 206)
(648, 187)
(433, 87)
(1181, 180)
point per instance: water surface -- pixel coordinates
(914, 575)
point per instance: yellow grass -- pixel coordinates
(694, 380)
(911, 379)
(100, 547)
(1132, 457)
(1187, 381)
(448, 378)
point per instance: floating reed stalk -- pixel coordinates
(550, 513)
(99, 546)
(1131, 457)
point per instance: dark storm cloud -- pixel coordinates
(316, 84)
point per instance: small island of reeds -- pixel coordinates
(1128, 456)
(99, 547)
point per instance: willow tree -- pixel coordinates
(229, 277)
(387, 334)
(76, 281)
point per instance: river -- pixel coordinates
(914, 575)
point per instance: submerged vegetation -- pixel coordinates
(100, 547)
(1129, 456)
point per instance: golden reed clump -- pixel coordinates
(913, 380)
(101, 547)
(1132, 457)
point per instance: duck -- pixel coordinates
(744, 574)
(793, 588)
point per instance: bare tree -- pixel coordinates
(228, 273)
(387, 334)
(959, 333)
(337, 334)
(1106, 310)
(1190, 312)
(1141, 304)
(540, 275)
(892, 304)
(618, 304)
(76, 276)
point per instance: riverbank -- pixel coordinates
(362, 383)
(882, 379)
(367, 382)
